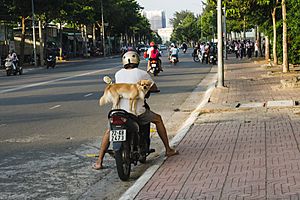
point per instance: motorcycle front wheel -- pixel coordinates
(123, 163)
(196, 58)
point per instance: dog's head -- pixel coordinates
(145, 85)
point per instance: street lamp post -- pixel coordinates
(33, 34)
(220, 46)
(103, 33)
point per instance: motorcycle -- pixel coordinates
(154, 69)
(50, 61)
(173, 59)
(130, 140)
(213, 59)
(198, 56)
(10, 69)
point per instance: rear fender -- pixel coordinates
(117, 146)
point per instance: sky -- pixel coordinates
(171, 6)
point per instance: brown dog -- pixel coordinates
(113, 93)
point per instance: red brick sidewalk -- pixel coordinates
(236, 154)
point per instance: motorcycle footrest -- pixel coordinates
(150, 151)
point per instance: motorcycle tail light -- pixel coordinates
(118, 120)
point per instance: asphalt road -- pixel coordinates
(51, 126)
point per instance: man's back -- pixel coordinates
(132, 76)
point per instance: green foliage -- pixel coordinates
(293, 16)
(186, 27)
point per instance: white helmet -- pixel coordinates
(131, 57)
(172, 45)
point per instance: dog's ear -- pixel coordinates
(139, 82)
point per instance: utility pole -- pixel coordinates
(103, 33)
(33, 34)
(220, 46)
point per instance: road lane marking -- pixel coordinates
(1, 125)
(89, 94)
(57, 106)
(53, 81)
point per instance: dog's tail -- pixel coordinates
(106, 96)
(102, 100)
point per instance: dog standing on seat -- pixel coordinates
(114, 91)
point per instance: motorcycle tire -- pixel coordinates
(196, 59)
(123, 163)
(8, 73)
(21, 71)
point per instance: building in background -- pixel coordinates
(157, 19)
(165, 34)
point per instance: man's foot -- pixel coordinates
(171, 152)
(97, 166)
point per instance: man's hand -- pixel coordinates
(153, 88)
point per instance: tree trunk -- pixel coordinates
(60, 41)
(267, 48)
(94, 35)
(274, 37)
(41, 43)
(244, 31)
(285, 64)
(22, 44)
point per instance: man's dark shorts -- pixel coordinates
(147, 117)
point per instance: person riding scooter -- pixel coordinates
(13, 57)
(131, 74)
(153, 54)
(184, 47)
(174, 51)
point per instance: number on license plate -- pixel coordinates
(153, 65)
(117, 135)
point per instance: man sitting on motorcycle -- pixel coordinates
(14, 59)
(153, 54)
(174, 51)
(131, 74)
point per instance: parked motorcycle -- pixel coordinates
(213, 59)
(10, 69)
(130, 141)
(154, 69)
(50, 61)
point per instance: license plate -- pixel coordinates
(153, 65)
(117, 135)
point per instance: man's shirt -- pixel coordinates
(132, 76)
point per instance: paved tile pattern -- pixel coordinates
(237, 154)
(232, 160)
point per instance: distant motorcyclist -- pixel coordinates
(174, 51)
(207, 52)
(184, 47)
(13, 57)
(153, 54)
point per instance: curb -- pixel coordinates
(209, 81)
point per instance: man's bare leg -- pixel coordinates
(103, 147)
(161, 130)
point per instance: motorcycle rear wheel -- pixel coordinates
(123, 163)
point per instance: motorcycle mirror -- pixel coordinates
(107, 80)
